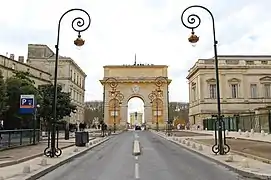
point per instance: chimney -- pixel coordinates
(21, 59)
(11, 56)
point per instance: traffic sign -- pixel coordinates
(27, 104)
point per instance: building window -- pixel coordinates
(267, 90)
(253, 90)
(212, 91)
(40, 75)
(264, 62)
(13, 66)
(194, 93)
(234, 90)
(71, 73)
(74, 75)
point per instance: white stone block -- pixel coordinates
(244, 163)
(229, 158)
(188, 143)
(200, 148)
(252, 131)
(240, 132)
(262, 133)
(43, 162)
(26, 169)
(194, 146)
(246, 134)
(227, 132)
(206, 129)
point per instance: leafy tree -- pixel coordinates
(18, 84)
(3, 95)
(93, 109)
(64, 105)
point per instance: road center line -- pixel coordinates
(136, 157)
(137, 171)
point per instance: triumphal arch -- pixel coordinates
(147, 82)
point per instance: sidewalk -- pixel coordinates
(240, 135)
(39, 166)
(17, 155)
(245, 166)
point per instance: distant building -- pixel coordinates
(8, 65)
(70, 76)
(245, 85)
(136, 118)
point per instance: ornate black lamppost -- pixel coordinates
(117, 98)
(194, 21)
(155, 95)
(78, 25)
(159, 81)
(113, 83)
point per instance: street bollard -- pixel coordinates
(26, 169)
(240, 132)
(245, 163)
(188, 143)
(43, 162)
(75, 150)
(229, 158)
(194, 146)
(200, 147)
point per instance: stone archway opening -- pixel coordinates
(136, 112)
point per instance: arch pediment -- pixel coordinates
(266, 78)
(211, 80)
(234, 80)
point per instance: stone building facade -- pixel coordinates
(8, 65)
(245, 85)
(70, 76)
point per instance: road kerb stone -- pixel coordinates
(69, 159)
(239, 171)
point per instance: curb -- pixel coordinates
(10, 163)
(264, 160)
(55, 166)
(239, 171)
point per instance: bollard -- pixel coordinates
(244, 163)
(43, 162)
(184, 142)
(205, 129)
(246, 134)
(200, 147)
(180, 141)
(75, 150)
(227, 132)
(188, 143)
(26, 169)
(90, 143)
(194, 146)
(240, 132)
(262, 133)
(229, 158)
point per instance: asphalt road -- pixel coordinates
(160, 160)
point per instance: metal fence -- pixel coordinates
(257, 122)
(15, 138)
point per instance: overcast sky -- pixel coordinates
(150, 28)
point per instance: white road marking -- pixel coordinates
(136, 157)
(137, 171)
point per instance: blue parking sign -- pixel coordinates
(27, 104)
